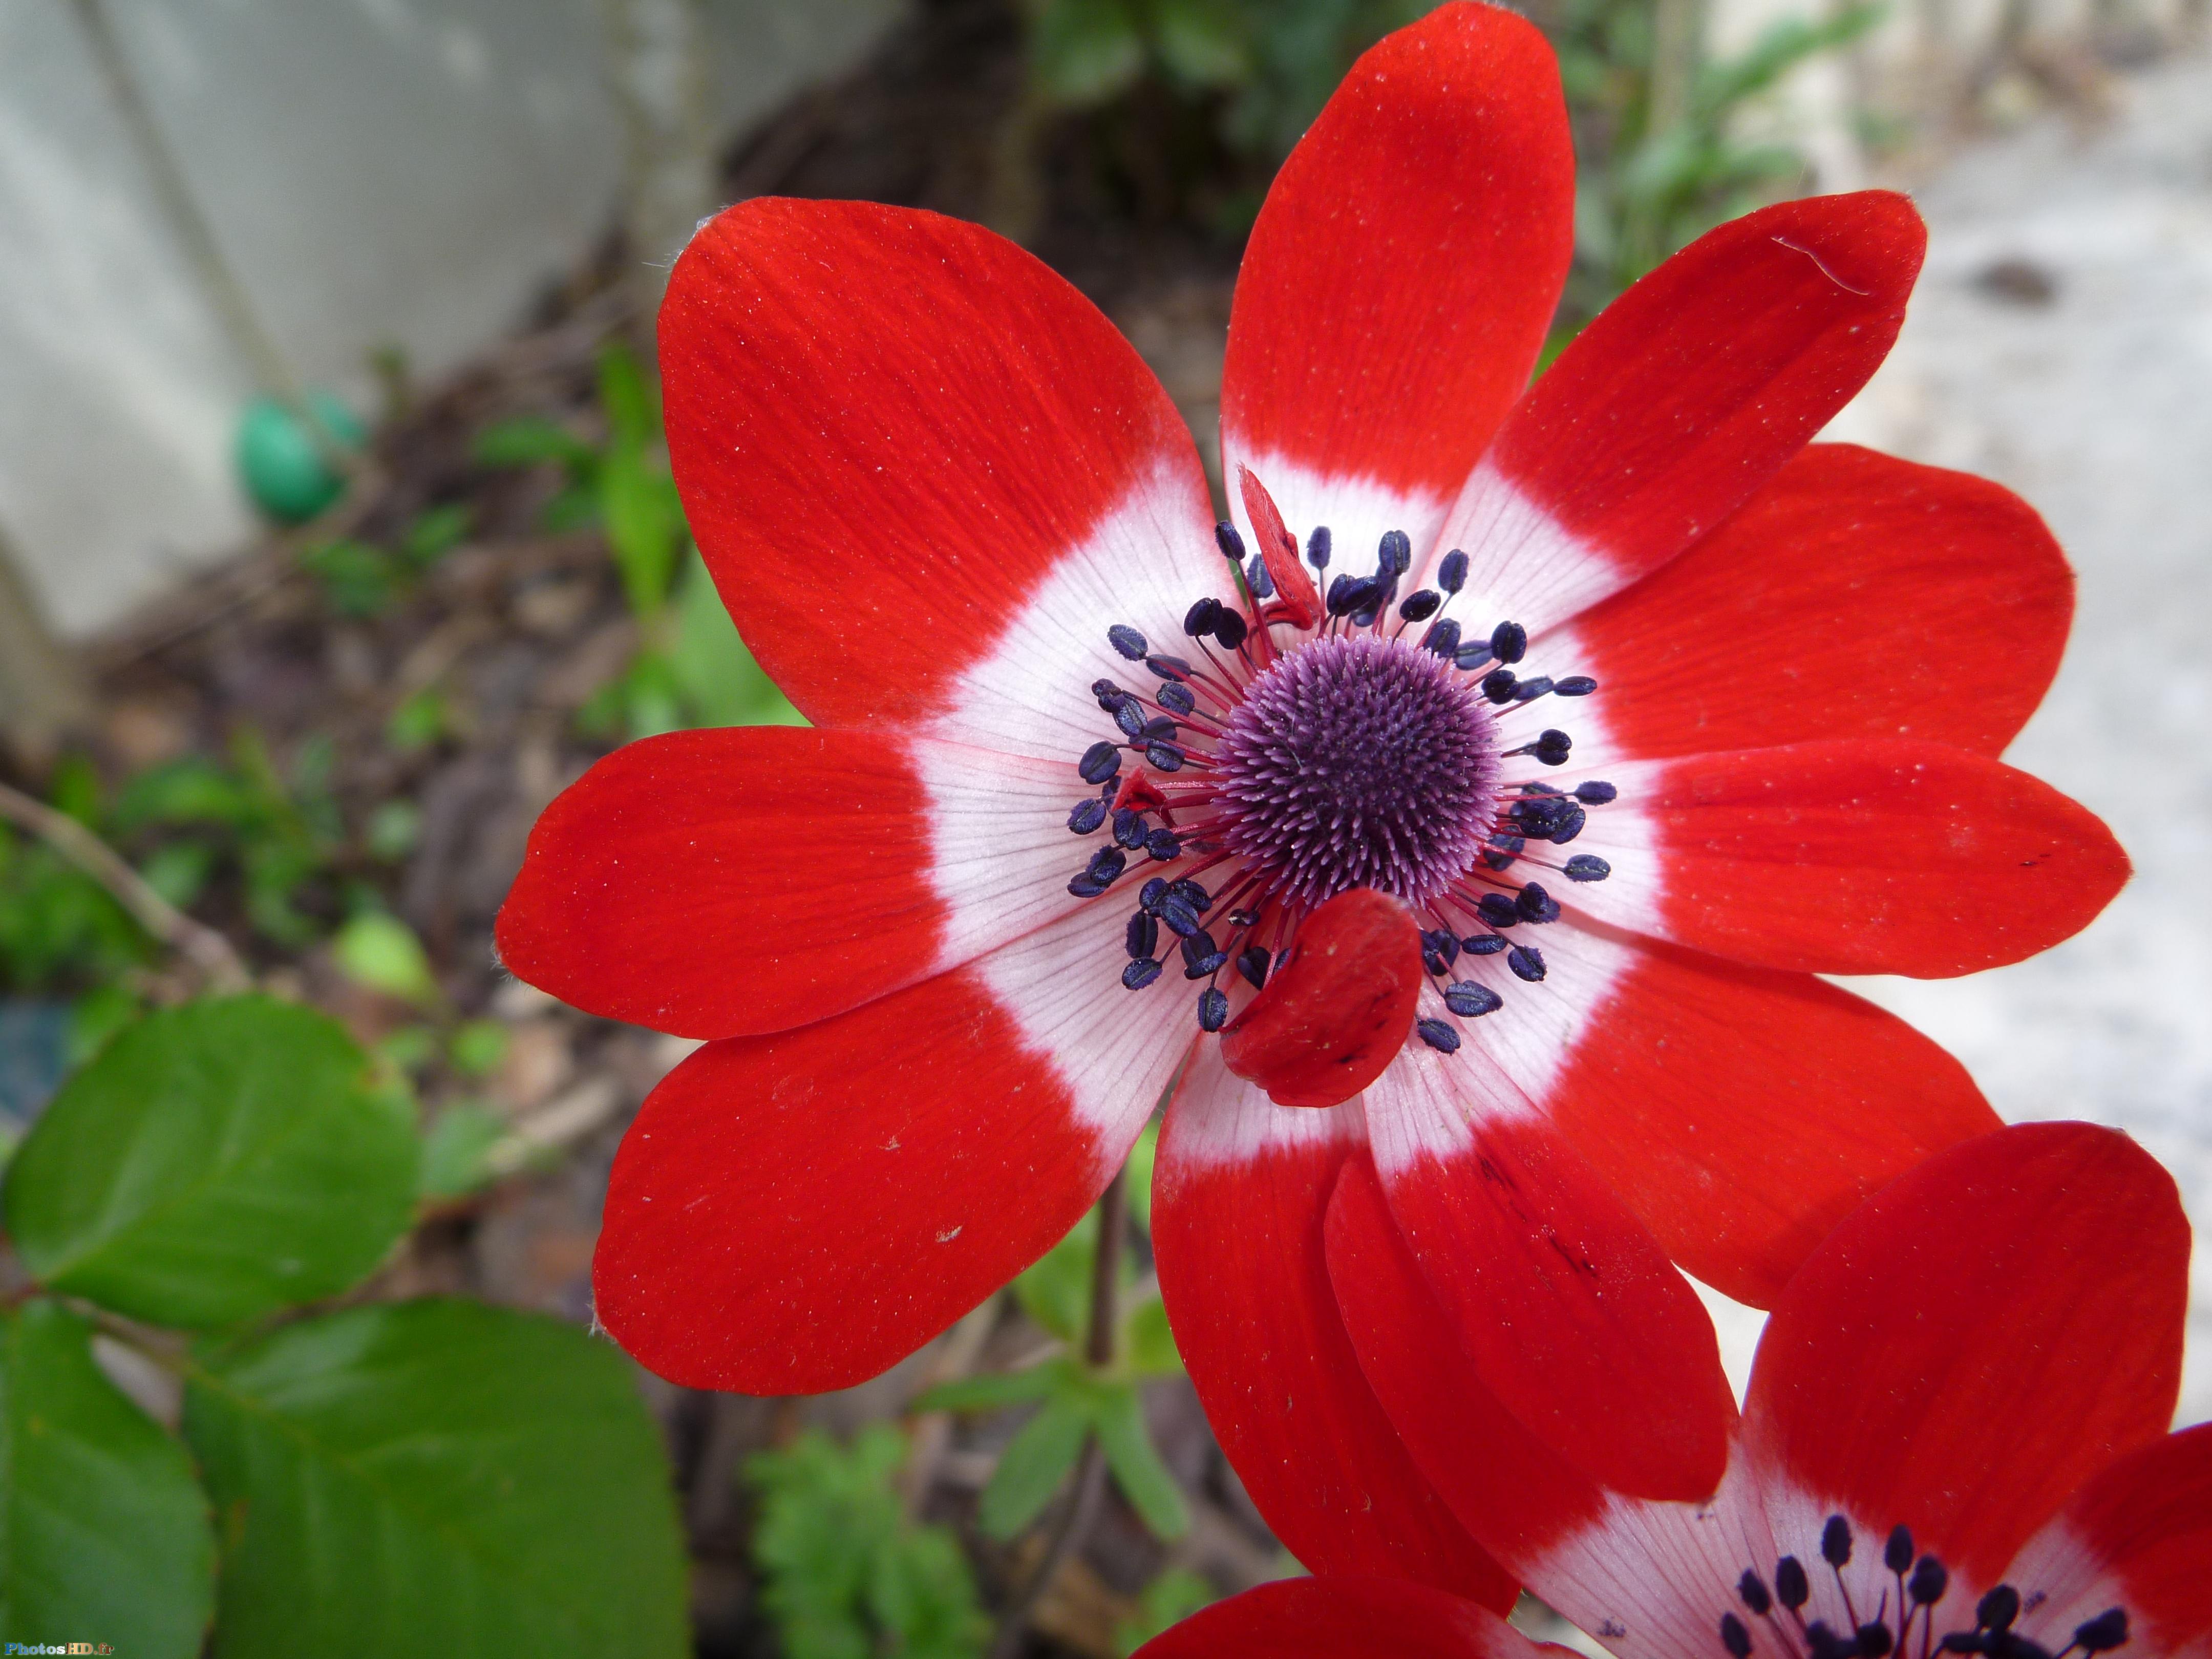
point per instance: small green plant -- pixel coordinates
(348, 1482)
(846, 1574)
(1075, 1398)
(360, 578)
(690, 667)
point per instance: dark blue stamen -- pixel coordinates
(1483, 945)
(1929, 1580)
(1595, 794)
(1734, 1638)
(1497, 910)
(1439, 948)
(1107, 790)
(1438, 1036)
(1836, 1541)
(1158, 729)
(1570, 827)
(1141, 973)
(1752, 1588)
(1420, 606)
(1537, 786)
(1212, 1009)
(1087, 817)
(1253, 961)
(1538, 816)
(1508, 843)
(1163, 757)
(1509, 642)
(1468, 657)
(1129, 828)
(1443, 638)
(1084, 886)
(2107, 1631)
(1197, 621)
(1552, 747)
(1494, 859)
(1792, 1587)
(1151, 893)
(1996, 1610)
(1587, 866)
(1575, 685)
(1106, 865)
(1168, 668)
(1176, 699)
(1529, 690)
(1180, 917)
(1536, 904)
(1471, 1000)
(1395, 554)
(1527, 962)
(1255, 573)
(1100, 761)
(1201, 955)
(1144, 935)
(1164, 846)
(1896, 1550)
(1191, 893)
(1128, 640)
(1498, 685)
(1318, 546)
(1104, 691)
(1230, 629)
(1230, 544)
(1347, 593)
(1451, 575)
(1130, 717)
(1244, 918)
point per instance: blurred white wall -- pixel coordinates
(379, 172)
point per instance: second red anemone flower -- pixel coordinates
(1954, 1440)
(1642, 711)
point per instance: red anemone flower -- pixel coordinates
(1066, 751)
(1954, 1440)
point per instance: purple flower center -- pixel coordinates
(1359, 762)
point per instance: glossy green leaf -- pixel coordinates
(216, 1162)
(104, 1532)
(1118, 1418)
(437, 1477)
(1034, 1464)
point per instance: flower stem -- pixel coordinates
(1090, 1471)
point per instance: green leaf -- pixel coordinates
(1148, 1346)
(980, 1394)
(456, 1153)
(1083, 52)
(216, 1162)
(378, 950)
(103, 1528)
(1139, 1185)
(1034, 1464)
(436, 533)
(357, 580)
(644, 521)
(1144, 1481)
(626, 396)
(1054, 1290)
(529, 440)
(719, 682)
(1202, 43)
(436, 1476)
(1165, 1602)
(476, 1047)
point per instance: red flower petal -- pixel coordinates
(1572, 1314)
(1300, 598)
(1401, 276)
(1977, 1340)
(1855, 596)
(1238, 1196)
(1343, 1619)
(793, 1213)
(1864, 856)
(1337, 1009)
(726, 883)
(925, 472)
(1682, 398)
(1497, 1478)
(1741, 1113)
(2138, 1536)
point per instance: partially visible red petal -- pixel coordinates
(1570, 1311)
(1337, 1009)
(730, 882)
(1855, 596)
(1978, 1338)
(1239, 1193)
(2138, 1537)
(1520, 1497)
(925, 472)
(1400, 277)
(1300, 599)
(1740, 1112)
(1863, 856)
(1344, 1618)
(793, 1213)
(1684, 395)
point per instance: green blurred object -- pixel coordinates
(287, 472)
(845, 1575)
(1166, 1602)
(378, 951)
(457, 1152)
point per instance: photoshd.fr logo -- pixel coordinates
(14, 1648)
